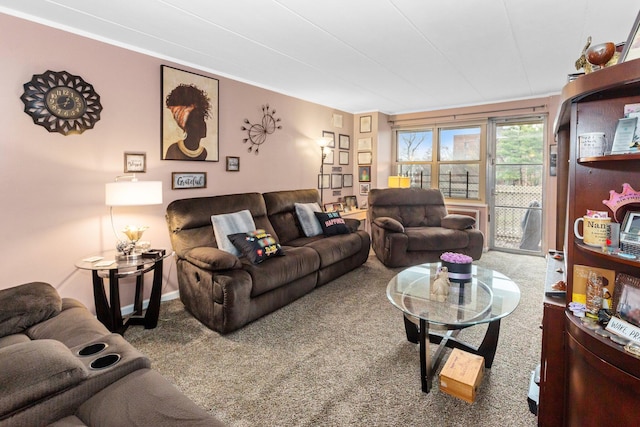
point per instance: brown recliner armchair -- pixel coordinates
(410, 226)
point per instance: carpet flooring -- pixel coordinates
(339, 357)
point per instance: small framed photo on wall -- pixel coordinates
(344, 143)
(364, 173)
(347, 180)
(344, 158)
(365, 124)
(233, 164)
(364, 189)
(331, 137)
(135, 162)
(336, 180)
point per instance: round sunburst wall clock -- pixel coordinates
(61, 102)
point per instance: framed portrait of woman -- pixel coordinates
(189, 116)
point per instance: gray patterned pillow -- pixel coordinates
(232, 223)
(308, 221)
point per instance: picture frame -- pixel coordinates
(182, 123)
(328, 158)
(337, 120)
(350, 202)
(135, 162)
(324, 181)
(365, 144)
(347, 180)
(364, 173)
(331, 136)
(344, 143)
(233, 164)
(343, 158)
(632, 46)
(336, 180)
(188, 180)
(365, 124)
(365, 157)
(553, 160)
(623, 138)
(626, 298)
(364, 189)
(333, 207)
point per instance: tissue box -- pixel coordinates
(462, 374)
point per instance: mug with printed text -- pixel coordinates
(594, 230)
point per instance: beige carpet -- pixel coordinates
(339, 357)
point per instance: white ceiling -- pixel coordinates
(392, 56)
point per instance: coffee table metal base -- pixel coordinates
(417, 332)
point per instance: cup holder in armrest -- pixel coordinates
(105, 361)
(92, 349)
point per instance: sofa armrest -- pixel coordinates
(213, 259)
(389, 224)
(458, 222)
(34, 370)
(25, 305)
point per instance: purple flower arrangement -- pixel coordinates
(454, 258)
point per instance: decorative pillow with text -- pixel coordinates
(256, 245)
(332, 223)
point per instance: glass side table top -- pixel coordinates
(109, 261)
(489, 296)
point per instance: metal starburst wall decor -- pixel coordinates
(257, 133)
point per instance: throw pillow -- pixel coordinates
(458, 222)
(256, 245)
(332, 223)
(232, 223)
(308, 221)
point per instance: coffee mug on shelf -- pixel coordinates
(594, 230)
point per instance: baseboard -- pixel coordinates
(128, 309)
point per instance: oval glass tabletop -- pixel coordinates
(489, 296)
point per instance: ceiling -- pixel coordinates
(392, 56)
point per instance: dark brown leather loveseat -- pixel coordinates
(225, 291)
(410, 226)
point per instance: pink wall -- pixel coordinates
(52, 186)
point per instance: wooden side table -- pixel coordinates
(108, 310)
(360, 214)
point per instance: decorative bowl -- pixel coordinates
(600, 54)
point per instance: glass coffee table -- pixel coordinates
(486, 298)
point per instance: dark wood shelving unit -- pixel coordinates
(586, 379)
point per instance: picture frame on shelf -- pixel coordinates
(331, 136)
(350, 202)
(365, 157)
(364, 173)
(631, 223)
(135, 162)
(343, 158)
(324, 181)
(336, 180)
(626, 298)
(623, 138)
(365, 144)
(333, 207)
(365, 124)
(364, 189)
(233, 164)
(632, 46)
(178, 85)
(188, 180)
(347, 180)
(630, 233)
(344, 143)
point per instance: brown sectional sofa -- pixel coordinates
(224, 291)
(60, 366)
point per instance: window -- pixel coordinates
(455, 170)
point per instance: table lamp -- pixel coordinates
(131, 193)
(399, 182)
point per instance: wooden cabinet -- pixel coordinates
(596, 379)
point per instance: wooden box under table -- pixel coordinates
(461, 375)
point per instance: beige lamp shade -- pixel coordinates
(399, 182)
(133, 193)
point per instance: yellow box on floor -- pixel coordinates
(462, 374)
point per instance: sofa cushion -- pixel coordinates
(435, 239)
(231, 223)
(256, 245)
(36, 369)
(336, 248)
(298, 262)
(27, 304)
(307, 218)
(332, 223)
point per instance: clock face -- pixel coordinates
(64, 102)
(61, 102)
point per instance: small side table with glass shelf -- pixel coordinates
(108, 266)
